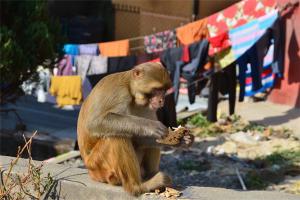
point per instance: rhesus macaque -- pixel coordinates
(117, 128)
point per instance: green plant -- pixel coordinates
(254, 181)
(28, 38)
(285, 157)
(199, 120)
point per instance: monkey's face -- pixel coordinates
(154, 99)
(157, 99)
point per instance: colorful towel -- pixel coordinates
(245, 36)
(238, 14)
(160, 41)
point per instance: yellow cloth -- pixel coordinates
(67, 89)
(115, 48)
(224, 58)
(192, 32)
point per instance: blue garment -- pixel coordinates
(245, 36)
(249, 58)
(73, 50)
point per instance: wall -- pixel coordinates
(287, 90)
(142, 17)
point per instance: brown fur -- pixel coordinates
(116, 113)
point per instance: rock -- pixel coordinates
(228, 147)
(244, 138)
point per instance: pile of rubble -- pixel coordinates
(236, 154)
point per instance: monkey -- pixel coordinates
(117, 128)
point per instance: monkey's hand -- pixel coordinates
(155, 129)
(187, 141)
(179, 137)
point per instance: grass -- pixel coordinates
(287, 161)
(254, 181)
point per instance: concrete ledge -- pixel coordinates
(74, 183)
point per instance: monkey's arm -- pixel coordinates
(114, 124)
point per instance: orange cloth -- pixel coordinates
(115, 48)
(192, 32)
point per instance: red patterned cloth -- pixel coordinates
(218, 43)
(236, 15)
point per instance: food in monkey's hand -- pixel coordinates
(178, 136)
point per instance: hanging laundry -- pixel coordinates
(218, 43)
(160, 41)
(71, 49)
(245, 36)
(257, 74)
(249, 60)
(267, 77)
(175, 60)
(223, 81)
(191, 70)
(120, 64)
(115, 48)
(65, 66)
(89, 65)
(171, 59)
(238, 14)
(88, 49)
(192, 32)
(66, 89)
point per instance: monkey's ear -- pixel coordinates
(137, 73)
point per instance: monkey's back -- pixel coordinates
(108, 92)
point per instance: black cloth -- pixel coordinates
(224, 82)
(120, 64)
(273, 35)
(172, 60)
(190, 71)
(94, 79)
(167, 114)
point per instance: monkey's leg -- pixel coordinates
(150, 161)
(119, 164)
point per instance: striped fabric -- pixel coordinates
(245, 36)
(267, 76)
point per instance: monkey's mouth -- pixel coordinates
(155, 106)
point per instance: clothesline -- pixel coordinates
(259, 19)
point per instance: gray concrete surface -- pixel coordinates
(74, 183)
(43, 117)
